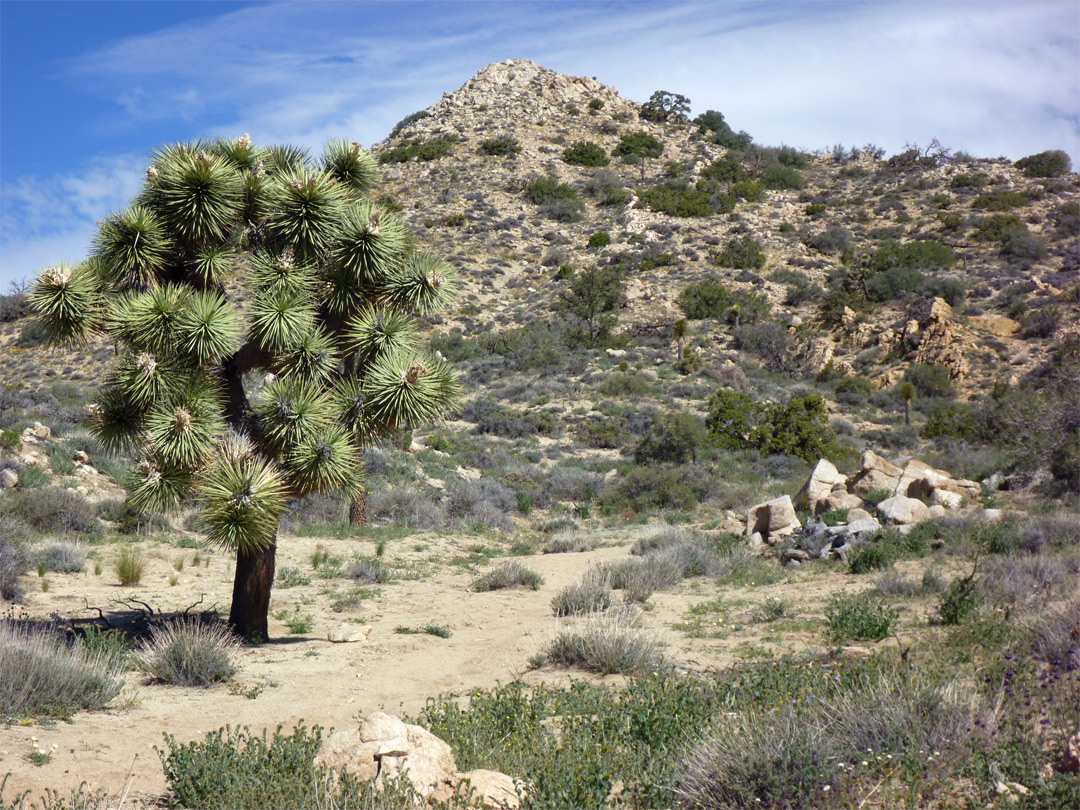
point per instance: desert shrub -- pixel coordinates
(638, 579)
(778, 177)
(317, 509)
(502, 146)
(607, 643)
(862, 616)
(599, 239)
(1022, 246)
(1052, 637)
(708, 298)
(64, 558)
(998, 227)
(770, 342)
(589, 595)
(14, 556)
(623, 384)
(660, 486)
(408, 121)
(1042, 322)
(130, 565)
(607, 188)
(674, 436)
(1052, 163)
(549, 189)
(568, 542)
(486, 503)
(677, 199)
(798, 428)
(368, 571)
(854, 388)
(189, 653)
(958, 602)
(742, 253)
(920, 254)
(929, 379)
(1000, 200)
(233, 768)
(405, 505)
(871, 557)
(420, 150)
(969, 180)
(50, 510)
(508, 575)
(44, 676)
(563, 210)
(585, 153)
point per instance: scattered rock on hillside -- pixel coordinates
(773, 519)
(903, 511)
(8, 479)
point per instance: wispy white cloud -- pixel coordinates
(993, 78)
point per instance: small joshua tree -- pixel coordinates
(265, 306)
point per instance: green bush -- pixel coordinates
(130, 565)
(189, 653)
(624, 384)
(14, 556)
(673, 437)
(929, 379)
(677, 199)
(778, 177)
(65, 678)
(854, 389)
(862, 616)
(1000, 201)
(958, 602)
(799, 428)
(1052, 163)
(599, 239)
(998, 228)
(742, 253)
(50, 510)
(920, 254)
(872, 557)
(708, 298)
(420, 150)
(502, 146)
(585, 153)
(9, 441)
(407, 121)
(596, 104)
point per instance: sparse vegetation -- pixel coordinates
(189, 653)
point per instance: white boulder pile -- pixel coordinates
(385, 746)
(910, 485)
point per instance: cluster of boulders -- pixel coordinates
(914, 491)
(33, 453)
(385, 747)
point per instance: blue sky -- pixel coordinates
(89, 89)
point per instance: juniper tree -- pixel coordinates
(266, 308)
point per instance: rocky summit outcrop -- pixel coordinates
(384, 747)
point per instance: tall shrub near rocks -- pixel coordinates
(245, 401)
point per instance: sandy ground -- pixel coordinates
(305, 677)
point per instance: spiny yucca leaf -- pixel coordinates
(306, 209)
(350, 409)
(312, 358)
(254, 205)
(293, 410)
(370, 244)
(65, 300)
(209, 328)
(278, 271)
(284, 159)
(328, 462)
(198, 196)
(409, 388)
(133, 248)
(240, 152)
(158, 489)
(423, 284)
(148, 320)
(144, 380)
(378, 330)
(116, 421)
(211, 265)
(241, 503)
(351, 165)
(183, 430)
(280, 319)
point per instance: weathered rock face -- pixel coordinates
(773, 519)
(819, 485)
(903, 511)
(940, 340)
(385, 746)
(8, 478)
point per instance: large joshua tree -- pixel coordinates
(267, 310)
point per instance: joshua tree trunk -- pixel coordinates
(251, 593)
(907, 411)
(358, 509)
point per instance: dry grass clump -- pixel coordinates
(1055, 635)
(189, 653)
(130, 566)
(568, 543)
(44, 675)
(639, 578)
(14, 560)
(63, 558)
(609, 642)
(591, 594)
(508, 575)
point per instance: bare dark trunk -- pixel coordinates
(251, 593)
(907, 411)
(358, 509)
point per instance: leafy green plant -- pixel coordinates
(502, 146)
(677, 199)
(741, 253)
(862, 616)
(871, 557)
(585, 153)
(599, 239)
(1051, 163)
(958, 601)
(189, 653)
(333, 287)
(638, 147)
